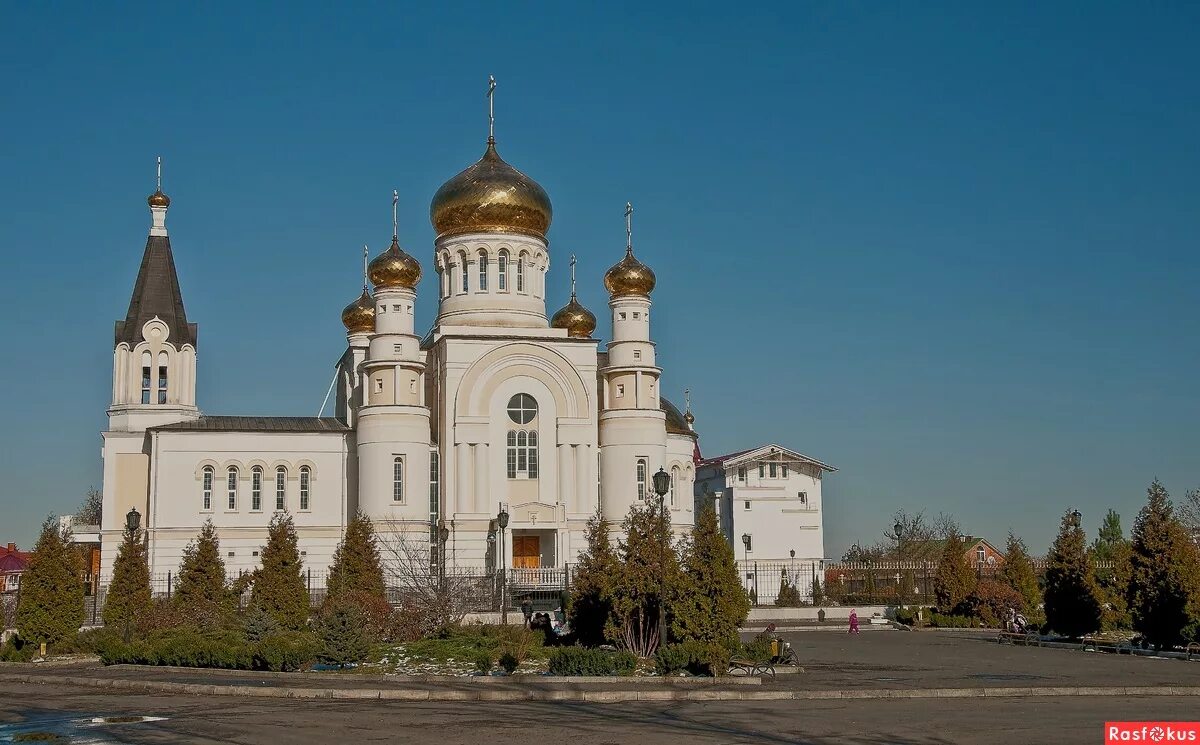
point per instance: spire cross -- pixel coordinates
(158, 177)
(491, 109)
(395, 216)
(572, 276)
(365, 251)
(629, 227)
(687, 399)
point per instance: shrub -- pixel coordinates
(907, 616)
(991, 601)
(183, 648)
(379, 618)
(944, 621)
(18, 650)
(483, 663)
(344, 639)
(700, 658)
(789, 596)
(671, 658)
(584, 661)
(758, 650)
(509, 662)
(258, 624)
(286, 652)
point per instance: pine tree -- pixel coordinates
(954, 581)
(1072, 606)
(648, 577)
(201, 592)
(1163, 590)
(50, 608)
(343, 634)
(1017, 572)
(713, 604)
(129, 595)
(278, 586)
(356, 567)
(1111, 555)
(592, 584)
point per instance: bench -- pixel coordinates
(1101, 645)
(1016, 637)
(750, 667)
(1193, 648)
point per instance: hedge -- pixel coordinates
(699, 658)
(188, 648)
(584, 661)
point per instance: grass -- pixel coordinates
(456, 650)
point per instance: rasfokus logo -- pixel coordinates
(1151, 732)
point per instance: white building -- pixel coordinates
(770, 506)
(496, 404)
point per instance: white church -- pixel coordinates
(496, 407)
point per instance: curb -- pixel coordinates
(527, 695)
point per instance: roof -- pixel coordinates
(156, 293)
(763, 450)
(257, 424)
(13, 560)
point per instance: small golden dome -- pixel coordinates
(359, 316)
(394, 268)
(629, 277)
(689, 417)
(491, 197)
(576, 319)
(158, 199)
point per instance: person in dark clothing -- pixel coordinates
(527, 610)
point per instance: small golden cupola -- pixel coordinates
(394, 268)
(359, 317)
(576, 319)
(629, 276)
(158, 199)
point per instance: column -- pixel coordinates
(583, 461)
(563, 454)
(462, 481)
(482, 489)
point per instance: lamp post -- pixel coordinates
(792, 553)
(502, 521)
(662, 484)
(898, 529)
(443, 536)
(132, 520)
(746, 557)
(1076, 517)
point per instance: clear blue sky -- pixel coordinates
(950, 248)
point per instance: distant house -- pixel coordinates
(12, 564)
(979, 552)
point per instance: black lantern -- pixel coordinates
(746, 540)
(502, 518)
(443, 531)
(1076, 517)
(792, 553)
(662, 482)
(132, 520)
(897, 528)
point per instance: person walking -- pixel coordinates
(853, 621)
(527, 610)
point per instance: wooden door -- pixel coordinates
(527, 551)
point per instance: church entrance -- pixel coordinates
(527, 551)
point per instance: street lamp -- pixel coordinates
(662, 484)
(1076, 517)
(502, 521)
(443, 536)
(898, 531)
(132, 520)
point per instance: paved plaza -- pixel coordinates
(879, 661)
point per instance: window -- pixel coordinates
(305, 479)
(641, 479)
(383, 308)
(502, 271)
(803, 497)
(741, 473)
(620, 390)
(747, 505)
(783, 468)
(162, 377)
(637, 354)
(231, 487)
(379, 385)
(145, 377)
(521, 274)
(635, 315)
(521, 458)
(483, 267)
(465, 271)
(980, 555)
(256, 478)
(522, 408)
(398, 349)
(434, 507)
(749, 542)
(674, 478)
(761, 470)
(280, 488)
(622, 316)
(397, 479)
(208, 487)
(773, 470)
(447, 279)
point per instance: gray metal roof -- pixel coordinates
(257, 424)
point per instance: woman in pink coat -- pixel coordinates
(853, 621)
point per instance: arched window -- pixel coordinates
(447, 278)
(209, 474)
(462, 258)
(502, 271)
(256, 478)
(641, 479)
(280, 489)
(145, 377)
(483, 269)
(522, 455)
(398, 479)
(521, 273)
(433, 485)
(674, 480)
(231, 487)
(305, 478)
(162, 377)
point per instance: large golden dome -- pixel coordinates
(576, 319)
(629, 277)
(359, 317)
(491, 197)
(394, 268)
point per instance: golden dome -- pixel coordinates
(689, 417)
(158, 199)
(394, 268)
(491, 197)
(576, 319)
(359, 316)
(629, 277)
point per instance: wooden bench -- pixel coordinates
(750, 667)
(1193, 648)
(1100, 645)
(1015, 637)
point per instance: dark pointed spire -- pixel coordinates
(156, 293)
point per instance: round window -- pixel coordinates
(522, 408)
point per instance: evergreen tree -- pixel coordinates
(818, 594)
(1072, 606)
(257, 624)
(713, 604)
(1111, 555)
(201, 592)
(129, 595)
(343, 634)
(278, 586)
(1163, 589)
(1110, 537)
(648, 577)
(1017, 572)
(954, 581)
(592, 584)
(356, 567)
(50, 608)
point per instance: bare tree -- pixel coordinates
(428, 595)
(89, 510)
(945, 525)
(1189, 513)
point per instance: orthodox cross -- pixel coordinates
(629, 227)
(572, 275)
(395, 218)
(158, 184)
(365, 268)
(491, 108)
(687, 399)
